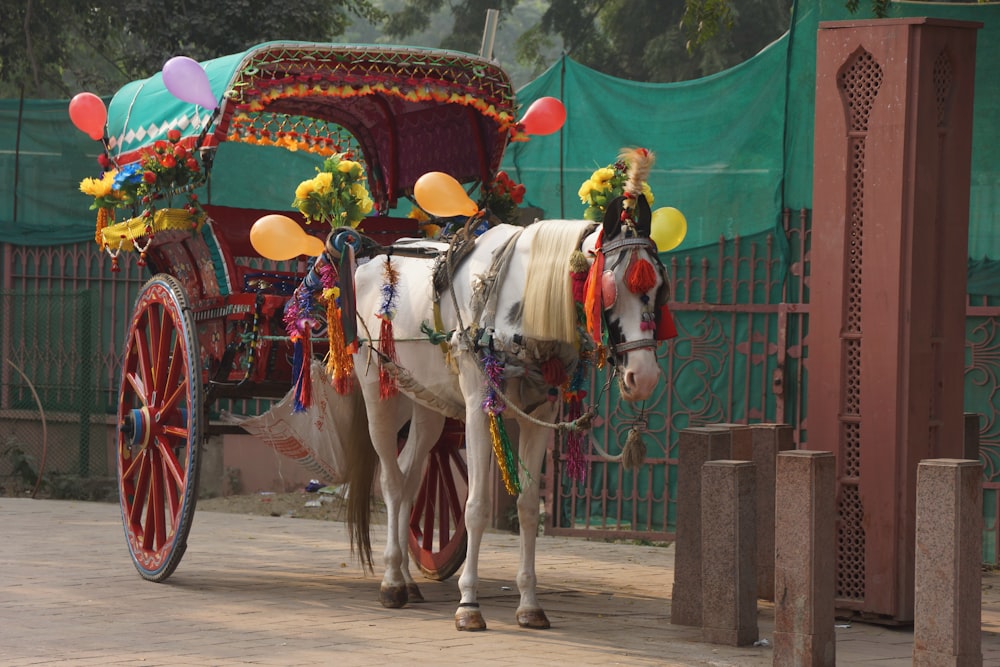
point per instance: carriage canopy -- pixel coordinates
(403, 111)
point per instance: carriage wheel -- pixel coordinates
(437, 523)
(159, 428)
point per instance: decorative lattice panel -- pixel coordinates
(858, 83)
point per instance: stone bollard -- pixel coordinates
(761, 443)
(729, 553)
(947, 612)
(695, 446)
(767, 441)
(804, 559)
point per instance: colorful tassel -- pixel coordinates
(505, 455)
(387, 386)
(593, 302)
(339, 364)
(640, 276)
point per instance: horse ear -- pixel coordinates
(643, 216)
(613, 218)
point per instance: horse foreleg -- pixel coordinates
(532, 451)
(384, 426)
(477, 514)
(425, 430)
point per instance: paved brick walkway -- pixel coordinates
(280, 591)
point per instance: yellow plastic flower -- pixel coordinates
(603, 175)
(584, 192)
(648, 194)
(99, 187)
(304, 189)
(322, 182)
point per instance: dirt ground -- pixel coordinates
(326, 505)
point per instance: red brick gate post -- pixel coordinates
(893, 142)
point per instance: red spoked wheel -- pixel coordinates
(437, 522)
(159, 428)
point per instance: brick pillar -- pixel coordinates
(695, 446)
(804, 560)
(948, 596)
(729, 553)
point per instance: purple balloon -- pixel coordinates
(187, 81)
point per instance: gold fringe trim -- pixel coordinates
(121, 236)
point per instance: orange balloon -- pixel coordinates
(277, 237)
(441, 195)
(312, 246)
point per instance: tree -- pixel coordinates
(53, 48)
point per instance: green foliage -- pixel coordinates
(22, 466)
(56, 48)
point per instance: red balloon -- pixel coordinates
(88, 113)
(545, 116)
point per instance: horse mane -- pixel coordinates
(548, 309)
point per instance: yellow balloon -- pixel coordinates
(441, 195)
(668, 228)
(277, 237)
(312, 246)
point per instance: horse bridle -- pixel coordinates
(620, 349)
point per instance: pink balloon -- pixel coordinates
(88, 113)
(187, 81)
(545, 116)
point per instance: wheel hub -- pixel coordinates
(135, 427)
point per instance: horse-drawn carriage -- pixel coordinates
(209, 325)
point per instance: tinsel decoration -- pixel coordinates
(593, 302)
(105, 217)
(640, 276)
(573, 396)
(339, 363)
(505, 455)
(387, 386)
(493, 405)
(298, 325)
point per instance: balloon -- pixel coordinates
(441, 195)
(312, 246)
(278, 237)
(88, 113)
(545, 116)
(667, 228)
(187, 81)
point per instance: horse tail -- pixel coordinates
(362, 462)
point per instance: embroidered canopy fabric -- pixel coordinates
(405, 111)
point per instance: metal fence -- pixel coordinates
(741, 308)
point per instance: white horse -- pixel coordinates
(514, 331)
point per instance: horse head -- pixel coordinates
(627, 290)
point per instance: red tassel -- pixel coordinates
(665, 327)
(640, 277)
(387, 386)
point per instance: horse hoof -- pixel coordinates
(392, 597)
(469, 619)
(533, 618)
(413, 593)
